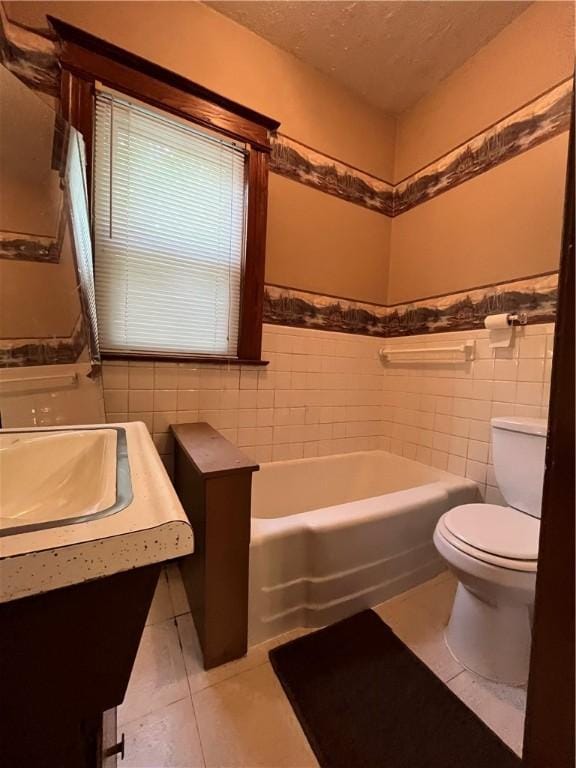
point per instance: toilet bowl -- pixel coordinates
(493, 552)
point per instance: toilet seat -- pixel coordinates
(500, 536)
(501, 531)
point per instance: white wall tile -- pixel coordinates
(478, 451)
(116, 400)
(529, 393)
(325, 393)
(165, 376)
(141, 377)
(188, 400)
(504, 391)
(531, 369)
(140, 400)
(114, 376)
(165, 399)
(533, 347)
(505, 370)
(476, 470)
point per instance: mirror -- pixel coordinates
(45, 251)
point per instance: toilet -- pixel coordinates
(493, 551)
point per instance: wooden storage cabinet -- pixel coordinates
(65, 659)
(213, 480)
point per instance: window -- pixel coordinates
(178, 179)
(169, 221)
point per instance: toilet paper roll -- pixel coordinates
(496, 322)
(501, 331)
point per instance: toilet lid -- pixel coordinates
(501, 531)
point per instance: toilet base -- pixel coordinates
(491, 640)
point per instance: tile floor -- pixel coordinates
(177, 715)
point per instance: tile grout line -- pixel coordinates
(133, 720)
(190, 694)
(455, 676)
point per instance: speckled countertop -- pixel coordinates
(152, 528)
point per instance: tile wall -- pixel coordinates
(440, 414)
(325, 393)
(320, 394)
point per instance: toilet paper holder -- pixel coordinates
(517, 318)
(505, 321)
(502, 326)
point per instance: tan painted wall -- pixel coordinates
(214, 51)
(499, 226)
(352, 243)
(36, 300)
(317, 242)
(530, 55)
(39, 300)
(30, 196)
(506, 223)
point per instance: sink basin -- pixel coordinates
(82, 503)
(54, 478)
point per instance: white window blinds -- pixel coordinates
(169, 220)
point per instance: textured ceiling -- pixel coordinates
(391, 53)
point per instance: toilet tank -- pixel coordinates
(518, 449)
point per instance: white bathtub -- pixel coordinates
(333, 535)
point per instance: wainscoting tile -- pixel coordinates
(141, 377)
(115, 376)
(116, 400)
(533, 347)
(435, 414)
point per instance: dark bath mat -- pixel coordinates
(365, 700)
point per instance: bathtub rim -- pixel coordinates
(368, 508)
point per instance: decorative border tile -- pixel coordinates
(16, 246)
(455, 312)
(298, 162)
(30, 54)
(16, 353)
(540, 120)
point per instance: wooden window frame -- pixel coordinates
(86, 60)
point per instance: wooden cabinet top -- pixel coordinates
(210, 452)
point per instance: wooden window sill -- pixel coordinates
(182, 359)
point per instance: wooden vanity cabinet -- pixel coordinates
(65, 659)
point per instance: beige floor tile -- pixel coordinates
(161, 608)
(419, 620)
(435, 595)
(199, 678)
(159, 675)
(166, 738)
(177, 591)
(247, 722)
(502, 707)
